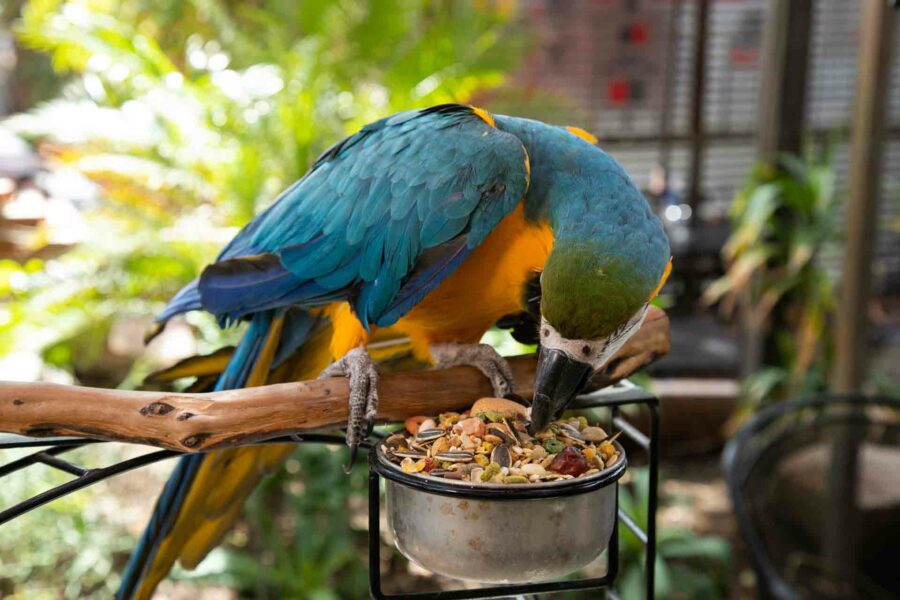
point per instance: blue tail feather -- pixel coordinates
(187, 299)
(173, 494)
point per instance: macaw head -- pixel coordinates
(610, 258)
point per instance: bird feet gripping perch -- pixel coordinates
(482, 357)
(359, 368)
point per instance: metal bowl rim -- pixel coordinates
(498, 491)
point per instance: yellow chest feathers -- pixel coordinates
(488, 285)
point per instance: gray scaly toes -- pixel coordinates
(359, 368)
(482, 357)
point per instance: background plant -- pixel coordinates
(782, 220)
(687, 565)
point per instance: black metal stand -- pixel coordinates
(614, 398)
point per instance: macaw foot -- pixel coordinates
(359, 368)
(482, 357)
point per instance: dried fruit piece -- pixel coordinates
(482, 460)
(472, 426)
(606, 450)
(570, 461)
(412, 466)
(412, 424)
(448, 419)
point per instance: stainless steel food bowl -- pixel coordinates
(499, 533)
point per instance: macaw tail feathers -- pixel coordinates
(205, 492)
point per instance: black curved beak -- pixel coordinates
(558, 380)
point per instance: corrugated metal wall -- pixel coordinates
(609, 58)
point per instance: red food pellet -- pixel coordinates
(570, 461)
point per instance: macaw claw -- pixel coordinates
(482, 357)
(359, 368)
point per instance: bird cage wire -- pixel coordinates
(629, 68)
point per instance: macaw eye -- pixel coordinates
(586, 350)
(545, 332)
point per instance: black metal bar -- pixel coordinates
(653, 497)
(9, 440)
(697, 103)
(669, 87)
(31, 459)
(89, 478)
(58, 463)
(632, 432)
(633, 526)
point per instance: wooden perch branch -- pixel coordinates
(200, 422)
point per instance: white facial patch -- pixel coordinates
(594, 352)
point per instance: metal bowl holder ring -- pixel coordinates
(578, 491)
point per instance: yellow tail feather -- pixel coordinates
(227, 477)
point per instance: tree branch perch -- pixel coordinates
(201, 422)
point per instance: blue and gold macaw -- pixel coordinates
(433, 224)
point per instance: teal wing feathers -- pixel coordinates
(429, 182)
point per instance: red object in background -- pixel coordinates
(638, 33)
(618, 91)
(744, 57)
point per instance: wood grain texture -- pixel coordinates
(201, 422)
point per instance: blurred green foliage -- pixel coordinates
(783, 219)
(192, 116)
(687, 565)
(66, 549)
(304, 534)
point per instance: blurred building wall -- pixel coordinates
(609, 59)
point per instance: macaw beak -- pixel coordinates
(558, 380)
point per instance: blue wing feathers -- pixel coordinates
(355, 226)
(188, 298)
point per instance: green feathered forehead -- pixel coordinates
(586, 292)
